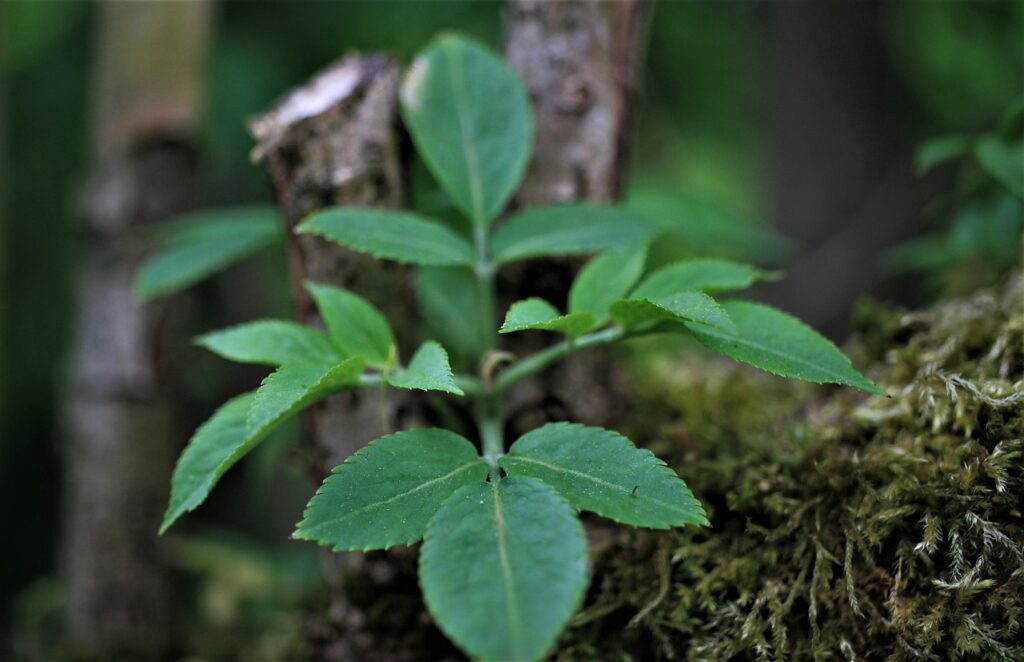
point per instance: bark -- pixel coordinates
(334, 141)
(845, 189)
(118, 411)
(580, 62)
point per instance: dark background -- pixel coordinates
(784, 132)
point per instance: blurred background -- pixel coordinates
(786, 133)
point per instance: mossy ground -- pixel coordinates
(848, 528)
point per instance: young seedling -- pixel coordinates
(503, 561)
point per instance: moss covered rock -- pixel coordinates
(850, 528)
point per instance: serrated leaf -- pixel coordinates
(392, 235)
(271, 342)
(470, 119)
(450, 306)
(703, 275)
(536, 313)
(607, 278)
(355, 325)
(198, 245)
(603, 472)
(574, 229)
(503, 568)
(681, 306)
(356, 508)
(1004, 162)
(218, 443)
(428, 370)
(770, 339)
(936, 151)
(295, 386)
(243, 422)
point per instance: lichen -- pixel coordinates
(885, 528)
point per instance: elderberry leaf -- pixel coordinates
(271, 342)
(428, 370)
(470, 120)
(391, 235)
(603, 472)
(536, 313)
(385, 493)
(568, 229)
(779, 343)
(503, 568)
(354, 324)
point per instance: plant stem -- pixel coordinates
(539, 360)
(492, 431)
(484, 271)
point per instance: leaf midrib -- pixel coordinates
(740, 340)
(599, 481)
(468, 146)
(392, 499)
(441, 244)
(512, 603)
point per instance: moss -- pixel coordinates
(879, 528)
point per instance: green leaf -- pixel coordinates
(218, 443)
(243, 422)
(392, 235)
(681, 306)
(386, 493)
(355, 325)
(470, 119)
(503, 567)
(936, 151)
(1004, 162)
(770, 339)
(428, 371)
(603, 472)
(606, 279)
(449, 300)
(295, 386)
(575, 229)
(703, 275)
(536, 313)
(271, 342)
(201, 244)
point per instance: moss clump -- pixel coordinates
(847, 529)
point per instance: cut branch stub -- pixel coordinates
(334, 141)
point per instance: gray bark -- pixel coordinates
(118, 411)
(580, 61)
(334, 141)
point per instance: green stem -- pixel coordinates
(540, 360)
(492, 432)
(484, 271)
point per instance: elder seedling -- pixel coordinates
(503, 561)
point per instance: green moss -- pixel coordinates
(885, 528)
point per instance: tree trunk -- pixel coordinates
(335, 141)
(580, 61)
(118, 413)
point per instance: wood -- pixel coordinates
(119, 414)
(334, 141)
(580, 61)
